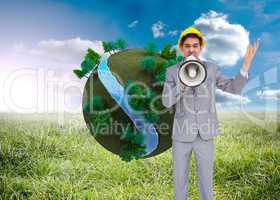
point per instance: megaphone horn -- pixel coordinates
(192, 72)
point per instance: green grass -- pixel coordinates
(40, 159)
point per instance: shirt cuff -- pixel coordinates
(243, 73)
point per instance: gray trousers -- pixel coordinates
(204, 156)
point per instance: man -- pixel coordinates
(195, 120)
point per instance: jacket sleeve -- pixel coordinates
(228, 84)
(172, 92)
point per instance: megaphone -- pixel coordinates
(192, 72)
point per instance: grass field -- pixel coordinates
(40, 159)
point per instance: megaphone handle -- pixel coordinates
(193, 91)
(182, 86)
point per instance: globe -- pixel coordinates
(122, 104)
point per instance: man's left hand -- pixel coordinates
(249, 55)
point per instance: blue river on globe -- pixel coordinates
(117, 92)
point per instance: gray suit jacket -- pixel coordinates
(195, 108)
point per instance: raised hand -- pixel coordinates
(249, 55)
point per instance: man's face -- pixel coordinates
(191, 46)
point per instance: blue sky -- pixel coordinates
(51, 37)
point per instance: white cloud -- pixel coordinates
(173, 33)
(133, 24)
(157, 29)
(228, 98)
(226, 42)
(67, 51)
(40, 79)
(32, 89)
(269, 94)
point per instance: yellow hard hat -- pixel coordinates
(193, 31)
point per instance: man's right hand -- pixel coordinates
(182, 87)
